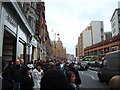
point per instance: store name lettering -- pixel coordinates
(10, 20)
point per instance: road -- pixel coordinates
(89, 79)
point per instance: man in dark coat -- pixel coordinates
(17, 74)
(4, 84)
(27, 80)
(8, 72)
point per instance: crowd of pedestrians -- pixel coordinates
(39, 74)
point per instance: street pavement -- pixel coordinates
(89, 79)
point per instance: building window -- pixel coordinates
(30, 19)
(114, 48)
(33, 52)
(114, 30)
(33, 5)
(31, 22)
(21, 50)
(26, 6)
(113, 25)
(9, 46)
(101, 29)
(102, 38)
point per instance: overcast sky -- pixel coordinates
(70, 17)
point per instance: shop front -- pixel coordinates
(33, 49)
(8, 35)
(15, 35)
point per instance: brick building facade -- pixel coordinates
(58, 50)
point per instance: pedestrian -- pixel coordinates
(58, 66)
(37, 75)
(22, 63)
(71, 78)
(114, 83)
(17, 74)
(52, 67)
(78, 79)
(4, 84)
(8, 72)
(30, 65)
(45, 66)
(50, 64)
(27, 80)
(54, 79)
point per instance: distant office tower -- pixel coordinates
(97, 31)
(87, 37)
(119, 4)
(115, 22)
(91, 35)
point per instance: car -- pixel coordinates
(95, 63)
(77, 66)
(91, 63)
(83, 65)
(110, 66)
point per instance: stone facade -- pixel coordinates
(58, 50)
(35, 12)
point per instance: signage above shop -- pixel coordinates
(34, 42)
(10, 20)
(10, 23)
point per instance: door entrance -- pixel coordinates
(9, 47)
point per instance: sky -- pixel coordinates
(70, 17)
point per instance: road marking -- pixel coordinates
(92, 71)
(91, 76)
